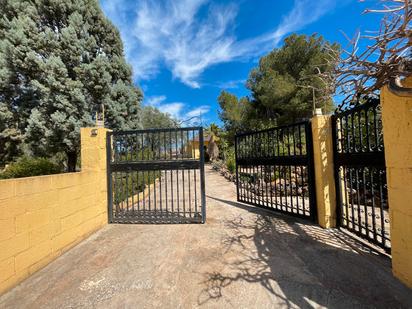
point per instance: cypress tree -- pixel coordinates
(60, 61)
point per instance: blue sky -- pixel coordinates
(185, 52)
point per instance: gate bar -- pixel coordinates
(202, 175)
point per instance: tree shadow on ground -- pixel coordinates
(301, 265)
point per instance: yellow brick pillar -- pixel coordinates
(93, 149)
(324, 172)
(94, 158)
(397, 133)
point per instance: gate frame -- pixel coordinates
(313, 217)
(201, 162)
(375, 159)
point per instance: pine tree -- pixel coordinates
(154, 118)
(234, 113)
(283, 83)
(60, 61)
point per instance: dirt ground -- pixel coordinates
(243, 257)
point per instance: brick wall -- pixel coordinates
(397, 134)
(324, 171)
(41, 217)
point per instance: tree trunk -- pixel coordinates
(71, 161)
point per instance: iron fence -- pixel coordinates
(360, 173)
(274, 169)
(156, 176)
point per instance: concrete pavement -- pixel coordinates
(243, 257)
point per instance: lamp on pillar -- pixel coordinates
(317, 112)
(100, 116)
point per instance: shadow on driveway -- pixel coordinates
(243, 257)
(303, 265)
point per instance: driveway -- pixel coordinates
(243, 257)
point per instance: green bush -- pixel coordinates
(231, 165)
(129, 184)
(26, 167)
(230, 161)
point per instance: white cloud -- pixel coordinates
(231, 84)
(198, 111)
(172, 33)
(155, 100)
(179, 110)
(174, 109)
(303, 13)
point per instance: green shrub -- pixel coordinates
(26, 167)
(145, 154)
(127, 185)
(231, 165)
(230, 161)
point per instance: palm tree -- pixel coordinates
(213, 132)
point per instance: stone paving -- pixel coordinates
(243, 257)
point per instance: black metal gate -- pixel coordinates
(274, 169)
(156, 176)
(360, 174)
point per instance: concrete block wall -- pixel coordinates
(324, 170)
(42, 217)
(397, 134)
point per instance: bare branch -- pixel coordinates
(389, 56)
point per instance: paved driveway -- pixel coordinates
(242, 258)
